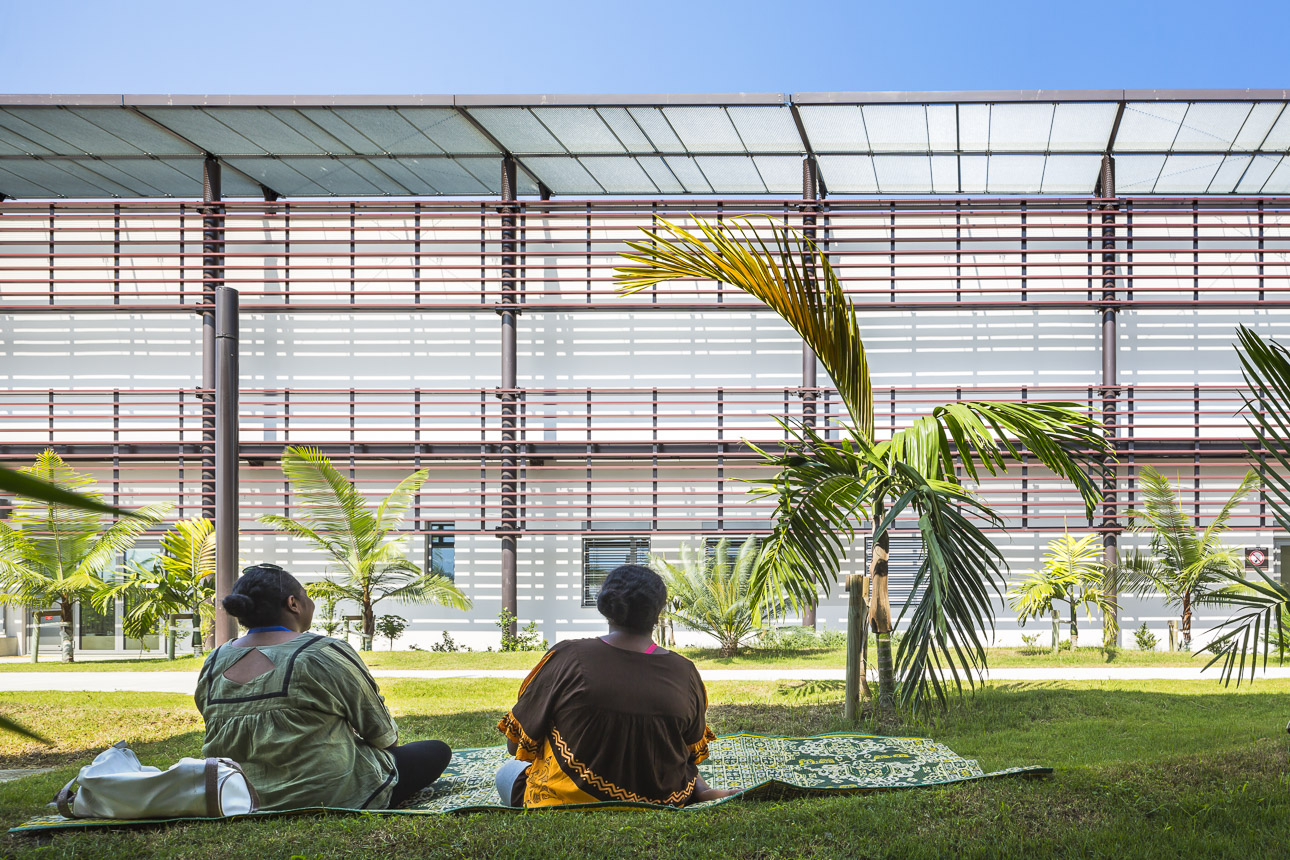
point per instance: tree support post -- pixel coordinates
(1110, 397)
(35, 637)
(810, 192)
(509, 525)
(857, 645)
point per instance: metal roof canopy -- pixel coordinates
(1009, 143)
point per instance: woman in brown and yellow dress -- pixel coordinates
(610, 719)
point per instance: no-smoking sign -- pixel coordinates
(1256, 558)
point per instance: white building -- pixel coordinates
(373, 245)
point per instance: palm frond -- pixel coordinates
(432, 588)
(329, 502)
(31, 487)
(795, 280)
(821, 491)
(959, 577)
(395, 506)
(1260, 605)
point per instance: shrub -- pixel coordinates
(1145, 638)
(526, 638)
(1031, 640)
(798, 639)
(1064, 645)
(448, 645)
(710, 593)
(391, 627)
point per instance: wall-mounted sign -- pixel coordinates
(1256, 558)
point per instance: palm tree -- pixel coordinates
(180, 581)
(1071, 574)
(53, 553)
(1186, 564)
(1263, 603)
(373, 565)
(825, 489)
(710, 595)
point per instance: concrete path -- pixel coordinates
(185, 682)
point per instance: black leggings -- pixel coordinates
(419, 764)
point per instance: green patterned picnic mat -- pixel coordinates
(764, 766)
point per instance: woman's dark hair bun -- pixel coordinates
(260, 594)
(239, 605)
(632, 597)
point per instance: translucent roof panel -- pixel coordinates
(518, 130)
(1070, 174)
(1183, 172)
(564, 175)
(1020, 142)
(1014, 174)
(86, 131)
(849, 174)
(766, 129)
(616, 174)
(1211, 127)
(1279, 180)
(896, 128)
(1137, 174)
(1081, 126)
(1256, 174)
(835, 128)
(305, 177)
(903, 174)
(1020, 128)
(781, 173)
(1149, 126)
(1229, 174)
(579, 129)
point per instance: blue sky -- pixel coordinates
(384, 46)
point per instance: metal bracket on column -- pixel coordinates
(1110, 390)
(509, 522)
(212, 279)
(810, 382)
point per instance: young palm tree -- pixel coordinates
(711, 595)
(1186, 564)
(54, 554)
(1072, 574)
(825, 489)
(180, 581)
(373, 565)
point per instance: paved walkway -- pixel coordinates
(185, 682)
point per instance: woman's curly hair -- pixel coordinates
(632, 598)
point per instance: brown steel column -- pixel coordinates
(509, 524)
(1110, 391)
(810, 191)
(227, 502)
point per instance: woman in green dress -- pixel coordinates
(300, 712)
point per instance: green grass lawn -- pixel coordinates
(1000, 658)
(1145, 769)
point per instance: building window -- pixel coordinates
(734, 543)
(602, 555)
(98, 629)
(905, 554)
(441, 550)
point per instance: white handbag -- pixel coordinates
(115, 785)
